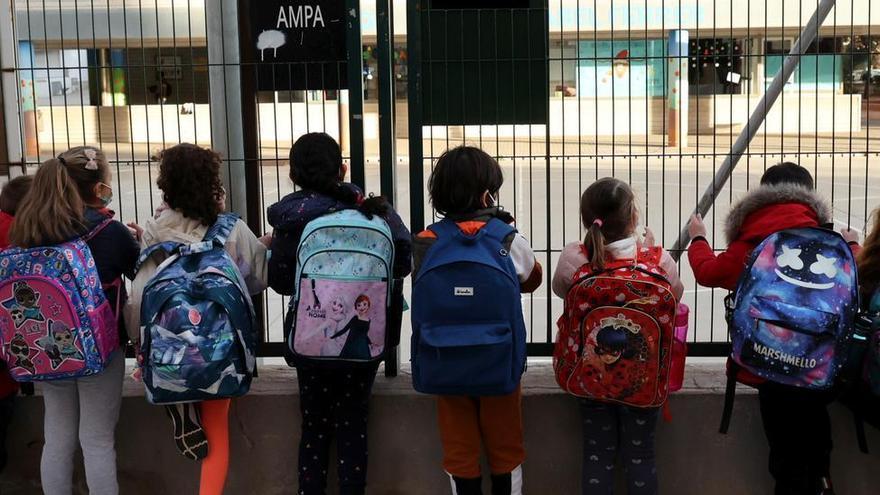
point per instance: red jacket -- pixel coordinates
(5, 224)
(764, 211)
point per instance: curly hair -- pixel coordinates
(189, 177)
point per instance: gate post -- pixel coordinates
(355, 68)
(11, 151)
(678, 96)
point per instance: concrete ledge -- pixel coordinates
(405, 450)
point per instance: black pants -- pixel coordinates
(334, 403)
(798, 430)
(6, 405)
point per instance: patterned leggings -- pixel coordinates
(618, 433)
(334, 403)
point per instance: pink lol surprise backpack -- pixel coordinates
(55, 321)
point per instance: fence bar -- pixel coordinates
(355, 91)
(224, 76)
(414, 115)
(10, 128)
(808, 35)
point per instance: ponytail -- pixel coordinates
(52, 212)
(595, 245)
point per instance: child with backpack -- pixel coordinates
(468, 344)
(613, 268)
(335, 346)
(189, 177)
(794, 413)
(10, 197)
(66, 206)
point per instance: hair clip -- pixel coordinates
(598, 223)
(91, 154)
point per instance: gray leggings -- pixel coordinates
(82, 411)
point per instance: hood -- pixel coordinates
(769, 209)
(297, 209)
(171, 225)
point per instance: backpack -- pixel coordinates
(791, 316)
(861, 376)
(469, 336)
(346, 306)
(55, 321)
(198, 325)
(615, 336)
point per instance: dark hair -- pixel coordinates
(610, 339)
(607, 210)
(868, 260)
(460, 178)
(316, 163)
(189, 177)
(13, 192)
(787, 173)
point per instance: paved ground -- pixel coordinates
(543, 194)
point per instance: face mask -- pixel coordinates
(106, 200)
(491, 201)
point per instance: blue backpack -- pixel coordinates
(198, 324)
(345, 310)
(469, 337)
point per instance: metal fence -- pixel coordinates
(562, 92)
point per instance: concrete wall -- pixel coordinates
(405, 451)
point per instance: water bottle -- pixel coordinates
(679, 348)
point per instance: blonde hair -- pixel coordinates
(52, 212)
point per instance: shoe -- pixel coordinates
(188, 434)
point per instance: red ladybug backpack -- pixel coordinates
(615, 336)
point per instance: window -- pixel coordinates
(716, 66)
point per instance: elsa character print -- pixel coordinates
(357, 344)
(335, 316)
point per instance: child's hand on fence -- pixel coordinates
(849, 235)
(696, 228)
(136, 230)
(266, 240)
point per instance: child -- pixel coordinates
(609, 213)
(332, 401)
(464, 187)
(799, 462)
(68, 199)
(10, 197)
(189, 177)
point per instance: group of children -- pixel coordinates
(69, 197)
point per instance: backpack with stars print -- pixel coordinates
(791, 316)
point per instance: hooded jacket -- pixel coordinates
(289, 218)
(248, 253)
(763, 211)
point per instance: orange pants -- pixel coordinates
(215, 423)
(495, 421)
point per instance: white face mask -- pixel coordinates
(492, 201)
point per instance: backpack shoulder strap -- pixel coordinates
(97, 230)
(445, 228)
(222, 228)
(168, 247)
(498, 230)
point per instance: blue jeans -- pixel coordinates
(618, 433)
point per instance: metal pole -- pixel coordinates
(414, 115)
(355, 91)
(11, 123)
(808, 35)
(224, 76)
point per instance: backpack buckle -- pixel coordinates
(196, 247)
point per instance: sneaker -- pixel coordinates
(188, 434)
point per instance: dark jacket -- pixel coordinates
(116, 252)
(288, 219)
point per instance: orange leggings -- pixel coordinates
(215, 422)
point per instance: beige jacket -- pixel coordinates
(170, 225)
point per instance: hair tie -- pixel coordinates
(62, 160)
(598, 223)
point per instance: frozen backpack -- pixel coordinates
(615, 337)
(791, 316)
(469, 335)
(198, 326)
(345, 309)
(55, 321)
